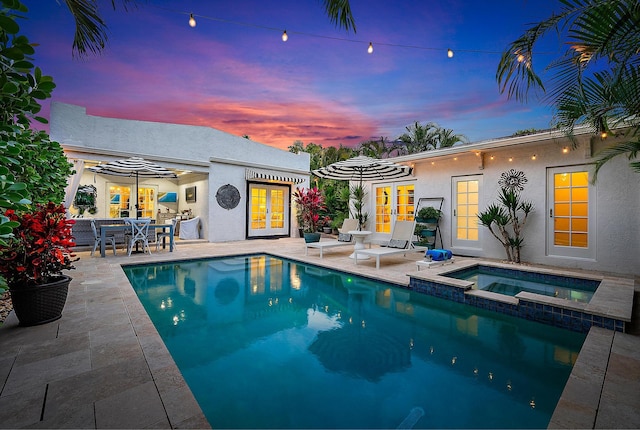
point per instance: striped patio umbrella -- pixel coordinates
(133, 167)
(363, 168)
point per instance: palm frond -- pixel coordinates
(339, 12)
(629, 147)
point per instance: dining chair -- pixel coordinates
(110, 238)
(139, 232)
(162, 235)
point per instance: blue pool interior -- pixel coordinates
(511, 282)
(265, 342)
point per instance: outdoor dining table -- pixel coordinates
(123, 227)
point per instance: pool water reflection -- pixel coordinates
(270, 343)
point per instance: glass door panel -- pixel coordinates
(393, 202)
(268, 210)
(466, 198)
(277, 209)
(570, 226)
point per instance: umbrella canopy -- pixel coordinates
(133, 167)
(363, 168)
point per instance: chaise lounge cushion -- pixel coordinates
(397, 243)
(344, 237)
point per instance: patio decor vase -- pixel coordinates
(311, 237)
(40, 304)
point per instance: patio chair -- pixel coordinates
(399, 243)
(190, 229)
(110, 238)
(139, 234)
(344, 238)
(164, 235)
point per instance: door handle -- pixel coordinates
(454, 213)
(550, 213)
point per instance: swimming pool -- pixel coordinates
(511, 282)
(270, 343)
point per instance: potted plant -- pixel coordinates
(429, 215)
(358, 195)
(33, 260)
(309, 204)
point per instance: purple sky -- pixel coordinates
(244, 80)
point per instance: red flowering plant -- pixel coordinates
(40, 248)
(309, 204)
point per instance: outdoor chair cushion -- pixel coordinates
(344, 237)
(397, 243)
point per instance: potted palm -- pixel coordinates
(309, 203)
(33, 260)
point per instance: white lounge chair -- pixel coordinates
(344, 238)
(399, 243)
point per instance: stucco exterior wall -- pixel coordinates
(616, 207)
(221, 157)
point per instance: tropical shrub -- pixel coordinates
(41, 246)
(309, 203)
(503, 219)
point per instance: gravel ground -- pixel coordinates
(5, 306)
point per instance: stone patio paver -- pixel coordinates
(103, 364)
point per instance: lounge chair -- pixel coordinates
(399, 243)
(344, 238)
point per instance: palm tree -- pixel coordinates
(596, 81)
(447, 138)
(381, 148)
(419, 138)
(91, 31)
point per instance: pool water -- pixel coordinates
(270, 343)
(510, 282)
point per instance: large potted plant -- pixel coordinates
(33, 260)
(309, 203)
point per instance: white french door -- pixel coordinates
(121, 201)
(393, 202)
(466, 199)
(268, 210)
(570, 217)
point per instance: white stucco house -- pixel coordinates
(239, 188)
(575, 223)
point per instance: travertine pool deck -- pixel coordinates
(103, 364)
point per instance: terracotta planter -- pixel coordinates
(40, 304)
(311, 237)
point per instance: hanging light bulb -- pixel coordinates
(192, 20)
(370, 48)
(603, 135)
(449, 53)
(285, 37)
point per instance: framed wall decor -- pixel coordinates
(190, 194)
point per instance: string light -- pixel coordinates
(603, 135)
(285, 37)
(565, 150)
(533, 157)
(192, 23)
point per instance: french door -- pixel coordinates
(466, 199)
(121, 201)
(268, 210)
(570, 217)
(393, 202)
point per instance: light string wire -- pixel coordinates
(319, 36)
